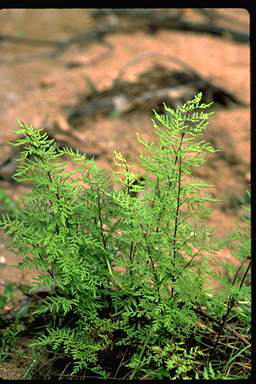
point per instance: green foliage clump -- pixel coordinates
(7, 205)
(121, 269)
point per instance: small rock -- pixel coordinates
(2, 260)
(8, 308)
(62, 122)
(47, 82)
(121, 104)
(248, 177)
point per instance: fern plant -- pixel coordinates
(121, 269)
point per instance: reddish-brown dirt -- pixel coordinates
(35, 89)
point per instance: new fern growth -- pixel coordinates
(77, 230)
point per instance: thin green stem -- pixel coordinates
(141, 355)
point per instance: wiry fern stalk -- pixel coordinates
(238, 290)
(79, 233)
